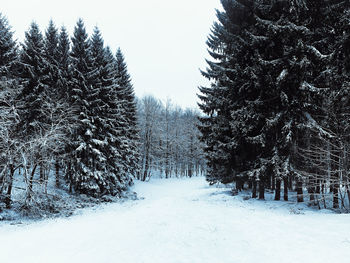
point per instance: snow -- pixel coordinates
(183, 220)
(282, 75)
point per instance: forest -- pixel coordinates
(274, 118)
(103, 160)
(71, 125)
(277, 110)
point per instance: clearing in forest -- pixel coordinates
(183, 220)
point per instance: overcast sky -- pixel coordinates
(163, 41)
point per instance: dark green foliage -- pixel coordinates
(279, 74)
(99, 144)
(126, 100)
(8, 48)
(68, 107)
(34, 78)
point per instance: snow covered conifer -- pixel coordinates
(231, 130)
(8, 47)
(52, 57)
(64, 62)
(126, 98)
(34, 77)
(9, 89)
(91, 173)
(273, 68)
(109, 139)
(57, 56)
(84, 177)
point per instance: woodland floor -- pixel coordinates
(182, 220)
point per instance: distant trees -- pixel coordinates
(278, 97)
(169, 140)
(69, 116)
(65, 108)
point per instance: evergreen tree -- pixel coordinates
(34, 77)
(93, 170)
(126, 98)
(274, 66)
(52, 57)
(9, 88)
(231, 129)
(84, 177)
(63, 62)
(57, 56)
(8, 48)
(117, 132)
(110, 142)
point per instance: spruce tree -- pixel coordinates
(85, 178)
(126, 99)
(9, 88)
(274, 80)
(231, 129)
(63, 87)
(57, 56)
(34, 78)
(117, 132)
(109, 143)
(8, 48)
(52, 57)
(93, 170)
(63, 63)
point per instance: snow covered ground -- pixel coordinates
(183, 220)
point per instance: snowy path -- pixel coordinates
(182, 221)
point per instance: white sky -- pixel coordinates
(163, 41)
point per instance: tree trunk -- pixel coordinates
(250, 184)
(312, 195)
(348, 192)
(285, 190)
(272, 181)
(300, 197)
(278, 189)
(189, 171)
(57, 168)
(311, 191)
(30, 187)
(261, 189)
(42, 173)
(290, 182)
(9, 189)
(145, 172)
(335, 167)
(336, 195)
(254, 188)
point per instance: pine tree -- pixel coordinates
(117, 133)
(93, 170)
(126, 98)
(8, 48)
(63, 87)
(231, 129)
(52, 57)
(110, 142)
(85, 178)
(57, 56)
(274, 66)
(34, 77)
(8, 92)
(63, 62)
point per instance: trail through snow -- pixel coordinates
(178, 221)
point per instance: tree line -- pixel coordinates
(67, 113)
(277, 109)
(69, 119)
(169, 144)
